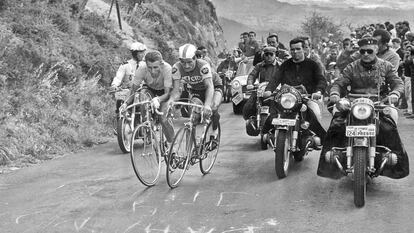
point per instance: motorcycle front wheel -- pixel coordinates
(360, 184)
(282, 154)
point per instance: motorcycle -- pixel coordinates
(291, 136)
(227, 77)
(262, 112)
(362, 157)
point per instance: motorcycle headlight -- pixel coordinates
(288, 100)
(362, 111)
(235, 84)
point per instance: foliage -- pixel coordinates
(318, 26)
(53, 73)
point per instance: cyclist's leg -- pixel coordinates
(166, 123)
(197, 97)
(218, 94)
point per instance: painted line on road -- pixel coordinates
(200, 230)
(132, 226)
(148, 229)
(21, 216)
(82, 225)
(222, 196)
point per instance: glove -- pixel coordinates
(317, 95)
(334, 98)
(249, 86)
(155, 102)
(393, 98)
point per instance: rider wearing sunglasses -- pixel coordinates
(367, 75)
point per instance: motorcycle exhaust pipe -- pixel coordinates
(388, 158)
(331, 157)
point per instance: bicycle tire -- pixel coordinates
(208, 156)
(123, 136)
(146, 161)
(178, 160)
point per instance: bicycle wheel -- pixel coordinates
(210, 148)
(124, 132)
(145, 155)
(179, 156)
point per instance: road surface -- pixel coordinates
(97, 191)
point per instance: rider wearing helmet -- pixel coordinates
(198, 76)
(127, 70)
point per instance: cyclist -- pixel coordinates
(156, 74)
(197, 74)
(127, 70)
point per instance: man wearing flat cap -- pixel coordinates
(263, 71)
(367, 75)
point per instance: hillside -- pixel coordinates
(273, 14)
(58, 58)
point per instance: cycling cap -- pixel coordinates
(187, 51)
(138, 47)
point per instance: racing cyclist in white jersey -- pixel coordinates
(156, 75)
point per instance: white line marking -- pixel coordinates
(195, 196)
(132, 226)
(272, 222)
(221, 198)
(154, 211)
(60, 186)
(82, 225)
(21, 216)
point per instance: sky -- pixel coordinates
(396, 4)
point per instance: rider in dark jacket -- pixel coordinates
(367, 75)
(296, 71)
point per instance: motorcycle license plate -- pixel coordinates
(280, 121)
(264, 109)
(360, 131)
(237, 98)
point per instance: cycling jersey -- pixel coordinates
(194, 78)
(160, 83)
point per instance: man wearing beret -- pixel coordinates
(367, 75)
(300, 70)
(264, 71)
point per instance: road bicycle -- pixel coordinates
(187, 148)
(128, 119)
(149, 147)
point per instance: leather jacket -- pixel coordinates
(363, 80)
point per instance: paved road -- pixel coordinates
(97, 191)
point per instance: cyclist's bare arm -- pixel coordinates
(176, 90)
(208, 82)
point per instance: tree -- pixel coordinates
(318, 26)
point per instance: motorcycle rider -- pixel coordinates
(199, 77)
(300, 70)
(273, 41)
(157, 76)
(126, 71)
(263, 71)
(367, 75)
